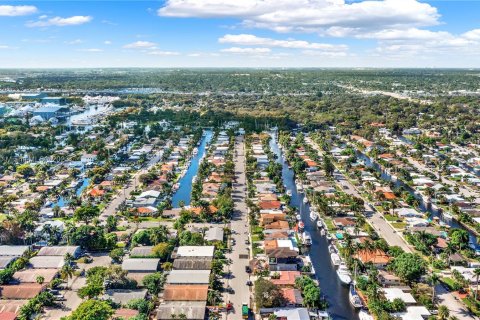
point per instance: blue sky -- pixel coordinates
(240, 33)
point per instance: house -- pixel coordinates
(48, 112)
(293, 297)
(388, 279)
(88, 158)
(194, 251)
(185, 292)
(142, 252)
(188, 277)
(47, 262)
(214, 234)
(287, 313)
(140, 265)
(9, 309)
(396, 293)
(125, 314)
(378, 258)
(414, 313)
(31, 275)
(13, 251)
(286, 278)
(192, 264)
(61, 251)
(21, 291)
(123, 296)
(408, 213)
(193, 310)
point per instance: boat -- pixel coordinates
(332, 248)
(322, 232)
(81, 122)
(313, 216)
(324, 315)
(195, 151)
(344, 275)
(336, 261)
(319, 224)
(298, 185)
(329, 237)
(298, 217)
(301, 226)
(305, 200)
(306, 238)
(289, 193)
(354, 297)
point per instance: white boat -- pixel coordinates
(336, 261)
(447, 216)
(298, 185)
(332, 248)
(322, 232)
(299, 217)
(354, 297)
(319, 224)
(344, 275)
(329, 237)
(195, 151)
(306, 238)
(364, 315)
(81, 122)
(324, 315)
(289, 193)
(305, 200)
(313, 216)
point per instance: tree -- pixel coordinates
(476, 272)
(162, 250)
(86, 213)
(267, 295)
(434, 280)
(459, 238)
(154, 282)
(92, 310)
(328, 166)
(40, 279)
(409, 266)
(116, 255)
(443, 313)
(25, 170)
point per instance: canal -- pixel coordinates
(63, 201)
(333, 291)
(185, 189)
(430, 210)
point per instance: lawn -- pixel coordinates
(390, 218)
(329, 224)
(2, 217)
(399, 225)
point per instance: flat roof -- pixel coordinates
(195, 251)
(194, 310)
(58, 250)
(15, 251)
(188, 277)
(5, 261)
(21, 291)
(140, 264)
(396, 293)
(47, 262)
(185, 292)
(413, 313)
(30, 275)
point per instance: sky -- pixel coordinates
(240, 33)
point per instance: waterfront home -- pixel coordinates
(388, 279)
(378, 258)
(284, 278)
(293, 297)
(396, 293)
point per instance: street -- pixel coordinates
(238, 277)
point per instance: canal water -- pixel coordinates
(184, 191)
(424, 207)
(62, 201)
(332, 290)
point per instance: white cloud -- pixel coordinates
(91, 50)
(163, 53)
(247, 50)
(13, 11)
(73, 42)
(252, 40)
(310, 15)
(107, 42)
(472, 34)
(140, 45)
(61, 22)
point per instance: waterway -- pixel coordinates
(332, 290)
(184, 191)
(424, 207)
(63, 202)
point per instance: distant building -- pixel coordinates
(51, 112)
(32, 96)
(56, 100)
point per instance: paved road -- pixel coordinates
(456, 308)
(446, 298)
(373, 217)
(239, 227)
(124, 194)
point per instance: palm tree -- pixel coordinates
(66, 272)
(434, 280)
(476, 272)
(443, 313)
